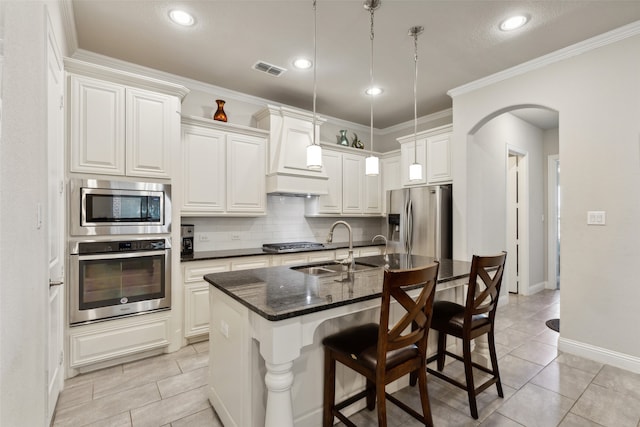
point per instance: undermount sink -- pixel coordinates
(332, 268)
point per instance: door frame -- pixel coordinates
(523, 215)
(553, 250)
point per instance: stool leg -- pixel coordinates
(424, 396)
(442, 346)
(494, 362)
(329, 388)
(468, 371)
(382, 404)
(371, 395)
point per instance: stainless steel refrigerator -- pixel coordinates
(419, 221)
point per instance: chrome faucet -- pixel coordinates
(350, 258)
(380, 236)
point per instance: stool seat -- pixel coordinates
(447, 314)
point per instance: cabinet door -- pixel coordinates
(352, 183)
(196, 309)
(390, 177)
(372, 194)
(151, 123)
(204, 172)
(97, 132)
(332, 202)
(439, 159)
(409, 154)
(246, 180)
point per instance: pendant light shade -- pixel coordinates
(314, 151)
(415, 169)
(372, 163)
(314, 157)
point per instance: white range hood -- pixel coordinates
(290, 132)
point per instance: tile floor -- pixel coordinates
(542, 386)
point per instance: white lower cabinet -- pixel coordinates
(196, 294)
(104, 341)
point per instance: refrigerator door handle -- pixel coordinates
(409, 236)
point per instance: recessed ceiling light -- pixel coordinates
(302, 63)
(181, 17)
(513, 22)
(373, 91)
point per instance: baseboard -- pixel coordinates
(533, 289)
(603, 355)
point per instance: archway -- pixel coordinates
(529, 133)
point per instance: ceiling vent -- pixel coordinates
(270, 69)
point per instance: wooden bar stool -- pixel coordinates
(383, 354)
(470, 321)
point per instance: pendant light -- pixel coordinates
(314, 151)
(415, 169)
(372, 163)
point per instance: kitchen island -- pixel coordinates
(267, 326)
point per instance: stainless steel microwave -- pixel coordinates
(102, 207)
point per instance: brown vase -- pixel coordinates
(220, 115)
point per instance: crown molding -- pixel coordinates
(444, 114)
(605, 39)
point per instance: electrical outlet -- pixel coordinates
(235, 237)
(203, 238)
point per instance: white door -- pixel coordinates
(55, 222)
(513, 226)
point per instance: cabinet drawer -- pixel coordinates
(193, 271)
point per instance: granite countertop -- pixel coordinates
(278, 293)
(231, 253)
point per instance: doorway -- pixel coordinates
(517, 221)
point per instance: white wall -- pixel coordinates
(598, 99)
(487, 167)
(284, 222)
(23, 185)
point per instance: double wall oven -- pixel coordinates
(119, 249)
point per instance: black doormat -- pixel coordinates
(554, 324)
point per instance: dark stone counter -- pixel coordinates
(231, 253)
(278, 293)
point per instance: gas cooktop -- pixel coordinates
(290, 246)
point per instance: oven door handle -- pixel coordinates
(120, 255)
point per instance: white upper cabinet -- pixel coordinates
(152, 126)
(119, 123)
(433, 153)
(351, 192)
(203, 170)
(412, 151)
(246, 174)
(223, 169)
(439, 158)
(96, 125)
(331, 203)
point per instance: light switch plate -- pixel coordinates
(596, 218)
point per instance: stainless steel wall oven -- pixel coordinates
(118, 277)
(101, 207)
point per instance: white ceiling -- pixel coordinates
(461, 43)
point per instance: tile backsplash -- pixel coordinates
(284, 222)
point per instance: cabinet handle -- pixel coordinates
(55, 283)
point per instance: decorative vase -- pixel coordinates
(356, 143)
(220, 115)
(342, 138)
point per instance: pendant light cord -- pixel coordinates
(315, 67)
(371, 36)
(415, 97)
